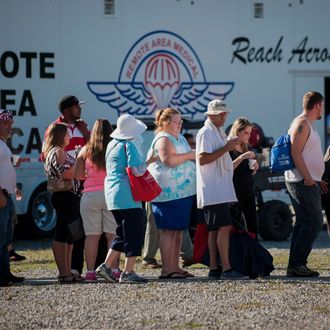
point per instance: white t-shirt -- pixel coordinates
(212, 187)
(7, 170)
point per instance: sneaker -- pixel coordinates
(301, 271)
(132, 278)
(116, 274)
(106, 273)
(232, 274)
(151, 264)
(13, 256)
(215, 273)
(90, 277)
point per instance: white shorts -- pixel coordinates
(96, 218)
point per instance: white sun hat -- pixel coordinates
(128, 128)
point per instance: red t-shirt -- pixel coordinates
(76, 138)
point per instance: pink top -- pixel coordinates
(94, 178)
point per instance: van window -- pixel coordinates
(109, 7)
(258, 10)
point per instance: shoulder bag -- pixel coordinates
(144, 188)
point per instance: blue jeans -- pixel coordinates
(306, 201)
(6, 232)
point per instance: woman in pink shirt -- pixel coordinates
(97, 219)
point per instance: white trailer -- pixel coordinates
(138, 55)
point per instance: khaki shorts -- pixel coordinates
(96, 218)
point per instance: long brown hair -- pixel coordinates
(239, 125)
(163, 117)
(97, 145)
(55, 136)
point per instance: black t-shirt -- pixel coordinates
(243, 180)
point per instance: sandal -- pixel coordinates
(66, 279)
(187, 274)
(78, 277)
(172, 276)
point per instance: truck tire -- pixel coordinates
(275, 222)
(41, 218)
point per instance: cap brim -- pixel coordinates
(211, 113)
(82, 102)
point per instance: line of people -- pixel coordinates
(214, 175)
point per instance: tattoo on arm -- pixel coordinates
(300, 129)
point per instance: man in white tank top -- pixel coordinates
(304, 184)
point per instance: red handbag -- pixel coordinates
(144, 188)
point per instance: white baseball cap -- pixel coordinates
(215, 107)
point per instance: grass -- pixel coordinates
(316, 260)
(39, 255)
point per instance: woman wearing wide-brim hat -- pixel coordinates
(129, 215)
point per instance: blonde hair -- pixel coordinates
(55, 136)
(163, 117)
(239, 125)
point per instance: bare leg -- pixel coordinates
(223, 246)
(91, 248)
(110, 237)
(129, 264)
(60, 251)
(112, 257)
(166, 247)
(213, 249)
(170, 244)
(69, 255)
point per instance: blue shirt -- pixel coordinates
(118, 194)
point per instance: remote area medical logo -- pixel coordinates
(160, 70)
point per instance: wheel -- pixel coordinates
(41, 218)
(275, 221)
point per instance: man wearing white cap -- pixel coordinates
(215, 187)
(7, 187)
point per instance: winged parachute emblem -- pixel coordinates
(160, 70)
(136, 99)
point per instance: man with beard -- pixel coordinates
(305, 184)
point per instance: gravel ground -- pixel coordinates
(276, 302)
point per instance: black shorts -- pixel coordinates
(67, 206)
(130, 231)
(217, 216)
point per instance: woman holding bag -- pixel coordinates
(59, 171)
(129, 215)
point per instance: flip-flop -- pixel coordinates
(172, 276)
(187, 274)
(66, 279)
